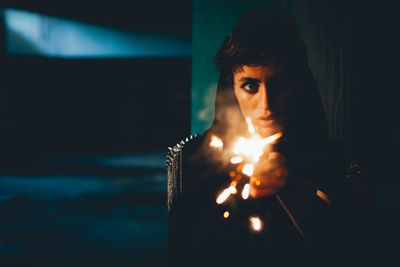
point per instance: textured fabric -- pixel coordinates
(199, 235)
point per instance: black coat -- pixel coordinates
(298, 226)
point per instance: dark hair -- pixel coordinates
(261, 39)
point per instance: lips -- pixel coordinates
(267, 118)
(265, 122)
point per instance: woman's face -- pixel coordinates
(264, 95)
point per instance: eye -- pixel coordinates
(251, 87)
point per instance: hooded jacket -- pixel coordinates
(297, 226)
(293, 226)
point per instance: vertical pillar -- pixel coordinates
(3, 99)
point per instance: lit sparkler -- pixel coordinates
(256, 223)
(249, 151)
(248, 169)
(216, 142)
(246, 191)
(245, 149)
(225, 194)
(236, 160)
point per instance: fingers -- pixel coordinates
(275, 178)
(262, 192)
(274, 164)
(269, 176)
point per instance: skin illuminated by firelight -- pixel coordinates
(216, 142)
(263, 94)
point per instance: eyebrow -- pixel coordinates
(274, 78)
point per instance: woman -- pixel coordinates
(297, 186)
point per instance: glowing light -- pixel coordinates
(258, 182)
(226, 214)
(234, 190)
(250, 125)
(248, 169)
(324, 197)
(271, 139)
(225, 194)
(236, 160)
(256, 223)
(253, 147)
(30, 33)
(216, 142)
(249, 148)
(246, 191)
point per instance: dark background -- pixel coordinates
(54, 106)
(83, 142)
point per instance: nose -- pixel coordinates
(264, 98)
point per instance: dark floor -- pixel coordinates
(111, 211)
(116, 217)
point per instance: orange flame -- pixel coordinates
(246, 191)
(250, 125)
(248, 169)
(216, 142)
(225, 194)
(256, 223)
(245, 149)
(236, 160)
(253, 147)
(271, 139)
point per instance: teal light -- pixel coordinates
(29, 33)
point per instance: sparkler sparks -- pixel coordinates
(253, 148)
(250, 149)
(256, 223)
(248, 169)
(247, 151)
(250, 125)
(216, 142)
(236, 160)
(246, 191)
(226, 214)
(225, 194)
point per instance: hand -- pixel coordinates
(270, 175)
